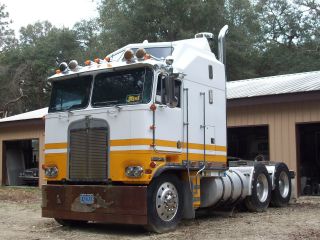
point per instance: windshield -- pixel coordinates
(126, 87)
(70, 94)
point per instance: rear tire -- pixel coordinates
(165, 203)
(281, 194)
(70, 223)
(260, 196)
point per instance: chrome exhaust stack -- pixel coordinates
(222, 44)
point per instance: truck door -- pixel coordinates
(168, 120)
(206, 116)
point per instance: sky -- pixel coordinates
(59, 12)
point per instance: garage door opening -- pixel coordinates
(21, 162)
(249, 143)
(309, 158)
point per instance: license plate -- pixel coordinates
(86, 198)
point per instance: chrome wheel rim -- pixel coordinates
(284, 185)
(167, 201)
(262, 188)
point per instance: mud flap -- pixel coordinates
(188, 209)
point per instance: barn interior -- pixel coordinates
(21, 162)
(309, 158)
(249, 143)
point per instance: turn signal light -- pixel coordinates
(153, 164)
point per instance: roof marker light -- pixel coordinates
(140, 53)
(73, 64)
(97, 60)
(63, 67)
(128, 55)
(147, 56)
(169, 60)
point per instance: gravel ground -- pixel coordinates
(20, 219)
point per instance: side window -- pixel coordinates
(117, 56)
(161, 96)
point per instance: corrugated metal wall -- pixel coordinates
(281, 119)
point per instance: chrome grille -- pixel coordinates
(88, 156)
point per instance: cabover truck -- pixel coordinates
(139, 137)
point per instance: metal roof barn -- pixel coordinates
(282, 84)
(278, 118)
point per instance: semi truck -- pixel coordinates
(139, 137)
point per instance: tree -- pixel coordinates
(244, 39)
(280, 21)
(88, 37)
(124, 22)
(291, 36)
(6, 34)
(28, 65)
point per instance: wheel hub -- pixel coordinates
(167, 201)
(284, 184)
(262, 188)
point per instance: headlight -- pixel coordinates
(51, 171)
(134, 171)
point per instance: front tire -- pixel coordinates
(165, 203)
(260, 196)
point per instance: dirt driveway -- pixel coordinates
(20, 219)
